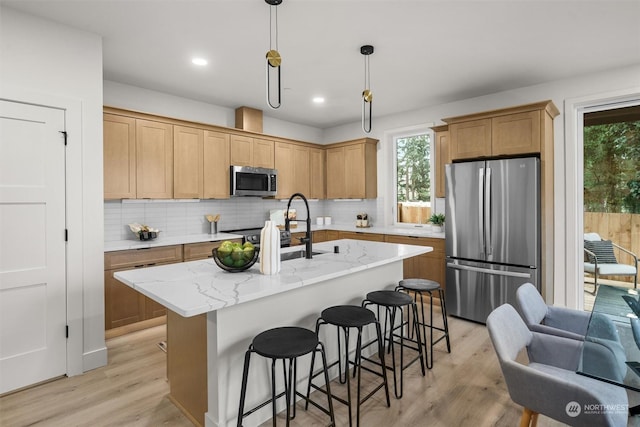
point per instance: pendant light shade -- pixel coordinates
(274, 60)
(367, 94)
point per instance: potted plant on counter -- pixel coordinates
(437, 222)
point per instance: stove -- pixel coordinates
(253, 235)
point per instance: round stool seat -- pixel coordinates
(419, 285)
(284, 343)
(389, 298)
(348, 316)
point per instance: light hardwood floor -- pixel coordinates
(464, 388)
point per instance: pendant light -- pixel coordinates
(367, 95)
(274, 60)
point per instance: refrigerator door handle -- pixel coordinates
(488, 271)
(487, 213)
(481, 207)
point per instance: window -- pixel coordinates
(413, 177)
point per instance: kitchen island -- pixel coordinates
(233, 308)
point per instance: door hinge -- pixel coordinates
(66, 235)
(67, 331)
(64, 132)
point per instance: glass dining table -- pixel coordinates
(611, 350)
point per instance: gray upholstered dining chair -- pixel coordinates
(540, 317)
(548, 384)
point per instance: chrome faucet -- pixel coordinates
(307, 238)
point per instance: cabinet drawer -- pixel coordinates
(134, 257)
(372, 237)
(194, 251)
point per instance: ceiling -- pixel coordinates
(427, 52)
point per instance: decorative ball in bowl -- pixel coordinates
(235, 257)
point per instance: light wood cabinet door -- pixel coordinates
(188, 162)
(355, 235)
(442, 158)
(284, 165)
(154, 160)
(317, 164)
(516, 134)
(333, 235)
(263, 153)
(119, 145)
(216, 171)
(355, 179)
(319, 236)
(352, 170)
(336, 188)
(301, 170)
(426, 266)
(241, 150)
(202, 250)
(470, 139)
(123, 305)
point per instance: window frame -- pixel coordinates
(392, 137)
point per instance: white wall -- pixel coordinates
(49, 64)
(148, 101)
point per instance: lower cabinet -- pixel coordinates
(372, 237)
(123, 305)
(202, 250)
(128, 310)
(426, 266)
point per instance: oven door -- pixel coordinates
(250, 181)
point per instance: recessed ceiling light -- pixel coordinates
(318, 100)
(200, 61)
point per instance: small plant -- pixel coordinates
(437, 219)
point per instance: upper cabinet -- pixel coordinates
(249, 151)
(442, 157)
(154, 160)
(352, 171)
(147, 156)
(511, 131)
(317, 168)
(216, 164)
(292, 161)
(119, 135)
(188, 181)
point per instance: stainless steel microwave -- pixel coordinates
(250, 181)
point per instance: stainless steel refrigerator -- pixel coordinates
(492, 233)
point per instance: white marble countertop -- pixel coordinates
(196, 287)
(415, 231)
(122, 245)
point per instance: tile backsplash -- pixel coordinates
(184, 217)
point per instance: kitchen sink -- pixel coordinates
(286, 256)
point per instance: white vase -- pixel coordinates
(437, 228)
(270, 249)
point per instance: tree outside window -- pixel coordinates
(612, 168)
(413, 166)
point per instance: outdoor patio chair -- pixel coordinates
(600, 260)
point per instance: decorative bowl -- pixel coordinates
(237, 266)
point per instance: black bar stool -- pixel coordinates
(419, 287)
(345, 317)
(394, 302)
(285, 343)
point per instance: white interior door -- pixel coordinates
(32, 245)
